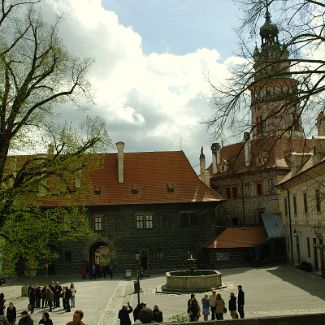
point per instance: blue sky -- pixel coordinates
(180, 26)
(151, 62)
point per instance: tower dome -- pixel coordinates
(269, 31)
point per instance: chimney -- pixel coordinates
(320, 123)
(202, 163)
(120, 161)
(215, 148)
(247, 149)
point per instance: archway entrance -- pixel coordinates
(99, 254)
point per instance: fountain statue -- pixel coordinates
(192, 280)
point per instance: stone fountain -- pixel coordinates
(192, 280)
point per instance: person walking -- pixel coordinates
(232, 306)
(25, 319)
(193, 308)
(213, 303)
(241, 301)
(157, 314)
(46, 319)
(11, 314)
(220, 307)
(124, 316)
(77, 317)
(205, 307)
(73, 295)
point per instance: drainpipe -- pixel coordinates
(243, 201)
(290, 227)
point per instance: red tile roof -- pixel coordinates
(239, 237)
(276, 150)
(151, 173)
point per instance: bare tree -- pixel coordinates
(37, 75)
(298, 59)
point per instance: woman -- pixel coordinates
(233, 306)
(2, 303)
(11, 314)
(205, 306)
(220, 307)
(46, 319)
(73, 296)
(157, 314)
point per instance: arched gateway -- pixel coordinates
(99, 253)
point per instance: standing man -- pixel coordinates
(123, 314)
(77, 318)
(241, 301)
(213, 303)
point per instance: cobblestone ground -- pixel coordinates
(270, 291)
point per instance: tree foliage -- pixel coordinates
(302, 29)
(37, 76)
(33, 236)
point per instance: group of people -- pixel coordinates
(124, 314)
(50, 296)
(96, 271)
(217, 306)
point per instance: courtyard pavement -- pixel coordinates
(269, 291)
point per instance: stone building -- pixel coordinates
(303, 206)
(246, 173)
(150, 210)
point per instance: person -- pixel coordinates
(11, 314)
(78, 315)
(137, 310)
(193, 308)
(66, 299)
(3, 320)
(220, 307)
(49, 296)
(232, 306)
(124, 316)
(2, 303)
(25, 319)
(46, 319)
(205, 306)
(157, 314)
(73, 295)
(213, 303)
(241, 301)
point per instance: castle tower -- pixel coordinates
(274, 106)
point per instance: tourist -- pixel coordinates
(124, 316)
(2, 303)
(205, 307)
(193, 309)
(213, 298)
(49, 296)
(25, 319)
(78, 315)
(66, 299)
(73, 295)
(241, 301)
(137, 309)
(220, 307)
(232, 306)
(157, 314)
(11, 314)
(46, 319)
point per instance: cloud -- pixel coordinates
(151, 102)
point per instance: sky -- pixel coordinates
(151, 63)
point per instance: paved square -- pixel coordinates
(270, 291)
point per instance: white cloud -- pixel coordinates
(151, 102)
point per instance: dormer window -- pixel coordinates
(134, 189)
(97, 190)
(170, 188)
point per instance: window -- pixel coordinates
(259, 189)
(98, 222)
(67, 256)
(194, 221)
(160, 254)
(317, 196)
(308, 246)
(185, 223)
(228, 193)
(144, 221)
(305, 203)
(285, 202)
(139, 222)
(295, 206)
(247, 190)
(234, 192)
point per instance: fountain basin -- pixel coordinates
(198, 280)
